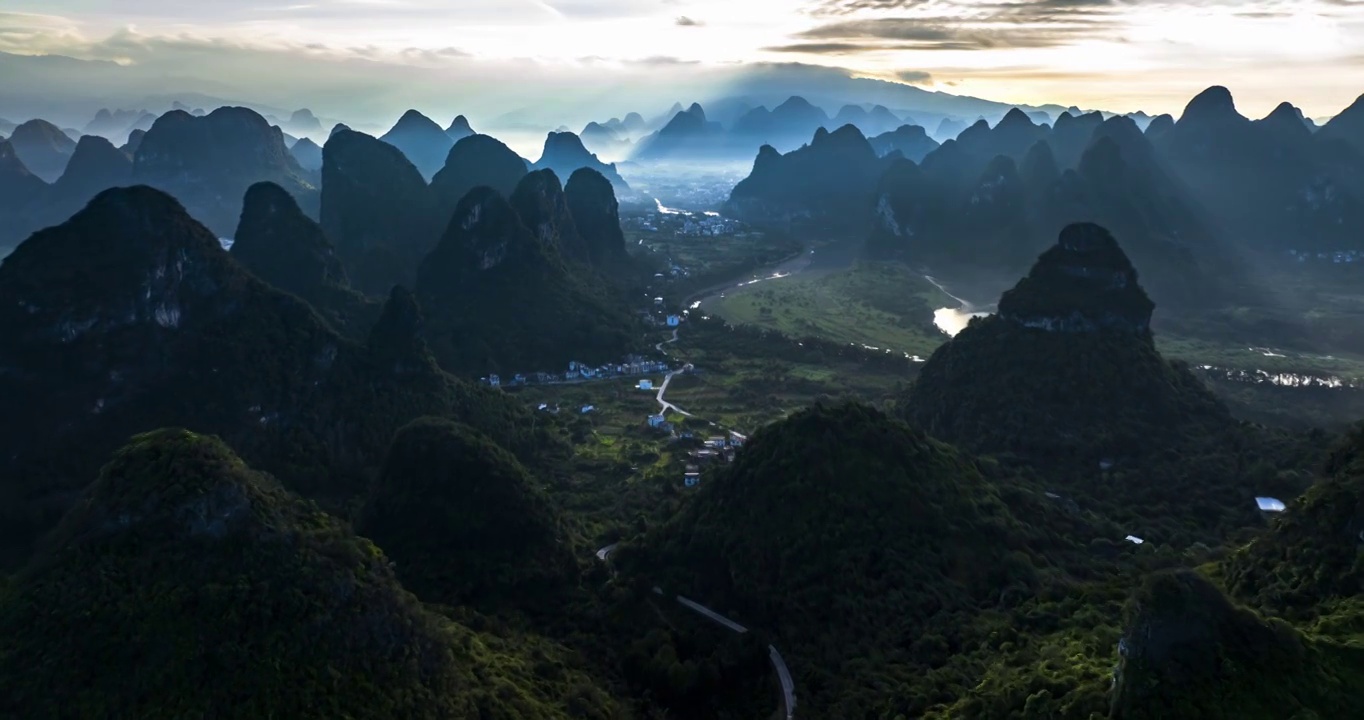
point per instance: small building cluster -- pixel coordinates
(579, 372)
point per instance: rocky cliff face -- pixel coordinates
(540, 202)
(1083, 284)
(499, 300)
(1066, 368)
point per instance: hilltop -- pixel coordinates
(465, 522)
(182, 575)
(500, 300)
(1189, 652)
(130, 317)
(208, 162)
(377, 210)
(287, 249)
(841, 522)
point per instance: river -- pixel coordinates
(834, 256)
(953, 320)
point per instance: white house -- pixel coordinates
(692, 479)
(646, 384)
(494, 380)
(658, 301)
(588, 408)
(657, 421)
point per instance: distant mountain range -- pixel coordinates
(1195, 199)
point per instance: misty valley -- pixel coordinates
(867, 402)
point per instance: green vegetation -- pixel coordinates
(1189, 652)
(498, 300)
(185, 584)
(709, 260)
(164, 329)
(1311, 562)
(465, 522)
(879, 305)
(870, 553)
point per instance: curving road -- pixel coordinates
(788, 685)
(664, 388)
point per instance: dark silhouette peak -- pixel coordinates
(43, 147)
(307, 153)
(564, 153)
(10, 164)
(1015, 116)
(795, 102)
(339, 127)
(413, 118)
(1288, 121)
(1160, 124)
(304, 116)
(1286, 109)
(398, 333)
(557, 143)
(1084, 283)
(820, 135)
(266, 199)
(1039, 165)
(422, 141)
(376, 208)
(284, 247)
(135, 253)
(39, 130)
(460, 128)
(473, 161)
(847, 136)
(134, 142)
(697, 111)
(1214, 104)
(596, 213)
(95, 165)
(539, 201)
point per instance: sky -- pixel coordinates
(1118, 55)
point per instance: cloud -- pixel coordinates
(961, 24)
(684, 21)
(914, 77)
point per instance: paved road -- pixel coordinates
(712, 615)
(788, 685)
(664, 388)
(659, 346)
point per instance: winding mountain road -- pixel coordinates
(788, 685)
(664, 388)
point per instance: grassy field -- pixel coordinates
(874, 305)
